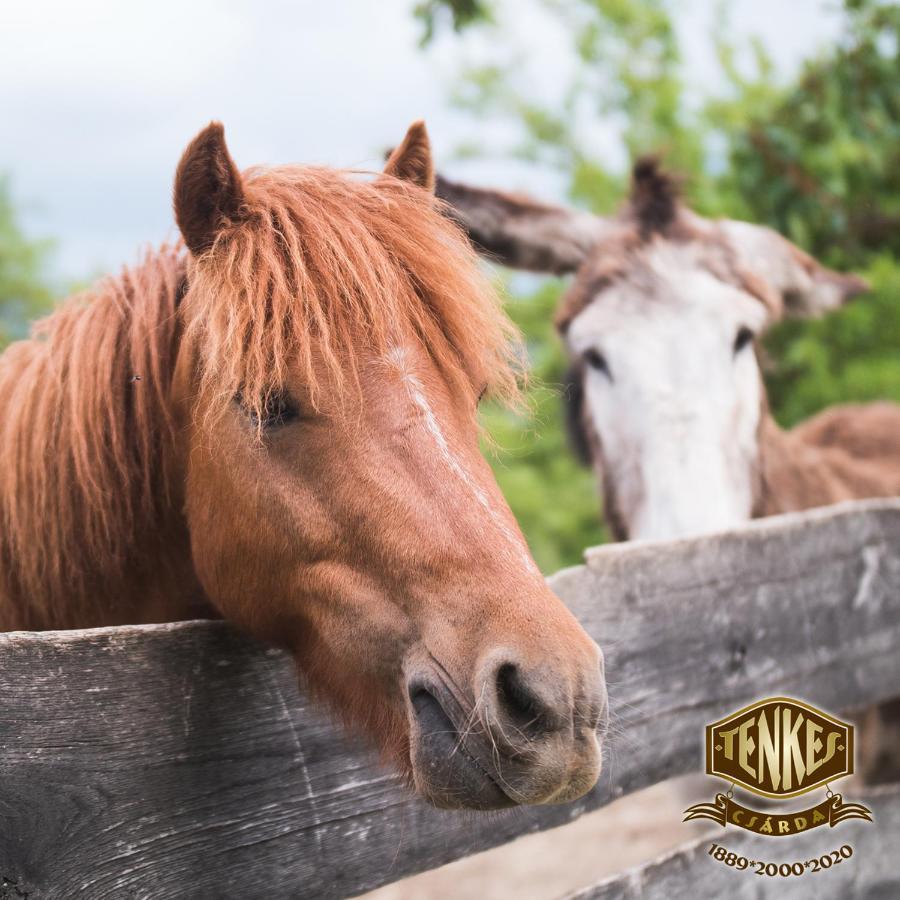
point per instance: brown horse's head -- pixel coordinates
(337, 339)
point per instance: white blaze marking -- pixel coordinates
(416, 392)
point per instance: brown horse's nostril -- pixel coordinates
(522, 734)
(430, 713)
(519, 703)
(523, 708)
(443, 766)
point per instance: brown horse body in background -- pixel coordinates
(279, 424)
(665, 396)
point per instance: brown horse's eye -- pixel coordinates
(280, 409)
(742, 339)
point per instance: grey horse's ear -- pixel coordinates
(209, 192)
(522, 233)
(574, 414)
(411, 161)
(797, 284)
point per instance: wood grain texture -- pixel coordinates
(871, 872)
(182, 760)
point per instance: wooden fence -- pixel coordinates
(180, 760)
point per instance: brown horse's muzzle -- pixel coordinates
(521, 735)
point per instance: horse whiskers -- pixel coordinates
(472, 718)
(512, 792)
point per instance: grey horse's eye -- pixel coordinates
(743, 338)
(596, 360)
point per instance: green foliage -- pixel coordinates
(24, 293)
(554, 499)
(628, 74)
(823, 164)
(818, 159)
(851, 356)
(461, 13)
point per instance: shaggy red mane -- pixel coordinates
(320, 264)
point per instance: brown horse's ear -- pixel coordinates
(208, 189)
(411, 161)
(797, 284)
(523, 233)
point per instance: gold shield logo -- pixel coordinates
(779, 748)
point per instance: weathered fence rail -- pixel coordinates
(182, 761)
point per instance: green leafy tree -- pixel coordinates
(822, 165)
(460, 13)
(817, 158)
(555, 500)
(24, 290)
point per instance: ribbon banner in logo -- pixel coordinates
(725, 811)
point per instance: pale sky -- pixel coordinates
(98, 98)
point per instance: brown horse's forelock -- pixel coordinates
(320, 265)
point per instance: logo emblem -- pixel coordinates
(779, 748)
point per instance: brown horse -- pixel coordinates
(665, 396)
(279, 425)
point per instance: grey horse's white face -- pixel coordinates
(660, 323)
(672, 392)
